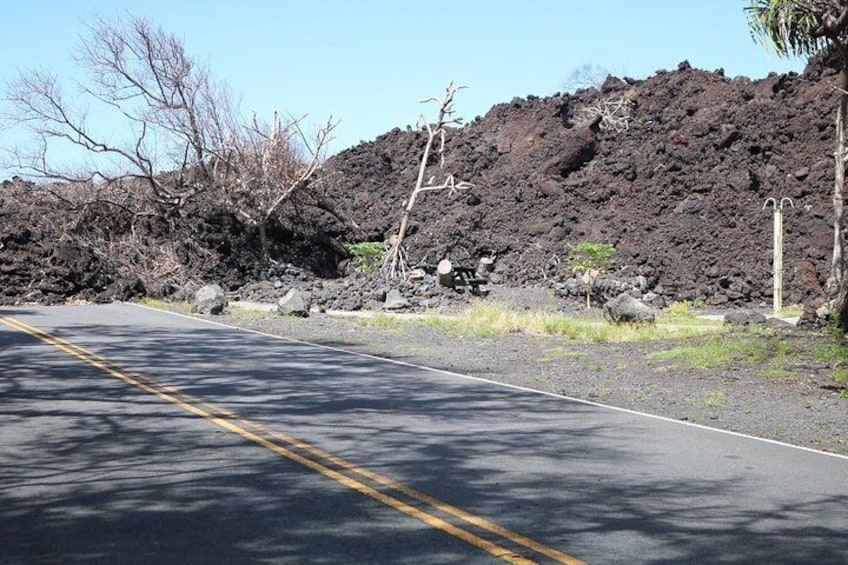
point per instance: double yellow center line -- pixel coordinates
(331, 466)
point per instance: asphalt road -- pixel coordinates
(134, 436)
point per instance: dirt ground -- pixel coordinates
(788, 394)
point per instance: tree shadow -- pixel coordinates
(96, 470)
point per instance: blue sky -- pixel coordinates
(368, 63)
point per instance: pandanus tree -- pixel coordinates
(805, 28)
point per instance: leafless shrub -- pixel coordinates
(614, 114)
(154, 262)
(263, 165)
(87, 216)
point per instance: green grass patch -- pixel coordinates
(792, 310)
(716, 350)
(487, 319)
(247, 314)
(683, 308)
(385, 321)
(685, 314)
(562, 353)
(834, 353)
(380, 320)
(775, 373)
(713, 398)
(481, 320)
(711, 353)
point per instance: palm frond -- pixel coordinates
(788, 27)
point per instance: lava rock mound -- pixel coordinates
(672, 170)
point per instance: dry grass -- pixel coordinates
(489, 319)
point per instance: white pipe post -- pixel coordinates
(777, 262)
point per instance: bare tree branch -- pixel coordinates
(181, 134)
(266, 165)
(394, 264)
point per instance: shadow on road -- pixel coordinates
(94, 470)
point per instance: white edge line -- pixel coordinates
(496, 383)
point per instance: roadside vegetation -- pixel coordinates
(366, 255)
(681, 339)
(694, 342)
(747, 346)
(773, 354)
(490, 319)
(168, 305)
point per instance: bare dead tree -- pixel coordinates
(172, 136)
(174, 115)
(265, 165)
(394, 264)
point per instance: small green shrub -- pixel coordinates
(367, 255)
(587, 256)
(592, 259)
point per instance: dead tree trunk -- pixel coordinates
(485, 266)
(394, 264)
(264, 248)
(445, 273)
(834, 281)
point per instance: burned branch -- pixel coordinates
(612, 114)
